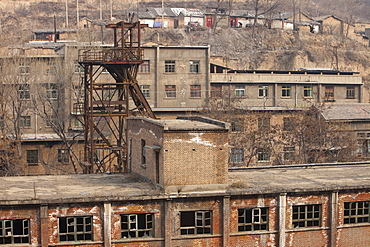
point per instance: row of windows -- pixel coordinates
(263, 154)
(32, 156)
(169, 67)
(171, 91)
(286, 92)
(80, 228)
(263, 124)
(52, 91)
(25, 122)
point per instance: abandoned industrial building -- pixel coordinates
(180, 192)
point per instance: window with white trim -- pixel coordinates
(76, 228)
(144, 67)
(240, 91)
(145, 89)
(14, 231)
(137, 225)
(253, 219)
(195, 222)
(170, 66)
(263, 91)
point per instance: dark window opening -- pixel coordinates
(195, 222)
(79, 228)
(136, 225)
(14, 231)
(253, 219)
(306, 216)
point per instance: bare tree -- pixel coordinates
(291, 137)
(262, 7)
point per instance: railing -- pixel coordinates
(111, 55)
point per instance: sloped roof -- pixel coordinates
(159, 12)
(324, 17)
(349, 112)
(188, 12)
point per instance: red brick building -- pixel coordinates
(310, 205)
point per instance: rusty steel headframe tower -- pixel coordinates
(106, 102)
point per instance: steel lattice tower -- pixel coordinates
(107, 103)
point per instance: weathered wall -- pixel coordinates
(195, 158)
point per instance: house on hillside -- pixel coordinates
(89, 23)
(331, 24)
(158, 17)
(189, 17)
(245, 18)
(286, 21)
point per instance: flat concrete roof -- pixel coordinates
(81, 188)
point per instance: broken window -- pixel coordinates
(306, 216)
(240, 91)
(195, 222)
(263, 91)
(78, 228)
(350, 94)
(307, 91)
(32, 157)
(286, 91)
(144, 67)
(137, 225)
(194, 66)
(24, 91)
(63, 156)
(170, 91)
(195, 91)
(237, 155)
(253, 219)
(356, 212)
(169, 66)
(15, 231)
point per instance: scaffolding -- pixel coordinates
(107, 103)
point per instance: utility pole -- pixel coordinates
(67, 14)
(111, 9)
(78, 14)
(101, 11)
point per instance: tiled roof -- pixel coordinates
(347, 112)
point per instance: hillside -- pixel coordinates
(274, 49)
(269, 49)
